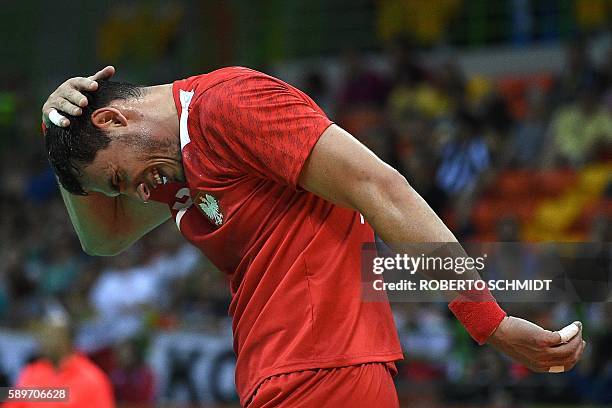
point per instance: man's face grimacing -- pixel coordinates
(139, 158)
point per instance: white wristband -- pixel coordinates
(556, 369)
(55, 117)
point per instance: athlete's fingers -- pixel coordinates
(66, 106)
(105, 73)
(569, 363)
(80, 83)
(72, 95)
(56, 118)
(539, 367)
(73, 90)
(569, 332)
(61, 105)
(51, 115)
(565, 350)
(552, 339)
(562, 355)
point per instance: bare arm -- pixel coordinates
(343, 171)
(108, 225)
(105, 225)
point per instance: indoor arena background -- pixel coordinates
(527, 84)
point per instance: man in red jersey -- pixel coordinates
(279, 198)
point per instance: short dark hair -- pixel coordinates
(71, 148)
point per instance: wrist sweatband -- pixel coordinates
(479, 313)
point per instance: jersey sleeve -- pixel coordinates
(262, 126)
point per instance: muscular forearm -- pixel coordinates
(399, 214)
(409, 226)
(404, 221)
(342, 171)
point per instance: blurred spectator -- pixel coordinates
(426, 333)
(361, 86)
(431, 100)
(580, 127)
(592, 14)
(133, 379)
(528, 137)
(122, 313)
(405, 61)
(578, 73)
(60, 270)
(62, 367)
(464, 157)
(427, 22)
(433, 94)
(147, 283)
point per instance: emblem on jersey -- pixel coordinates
(209, 206)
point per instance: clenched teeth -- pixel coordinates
(159, 179)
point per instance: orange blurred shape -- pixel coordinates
(591, 212)
(489, 211)
(360, 119)
(555, 182)
(514, 90)
(514, 183)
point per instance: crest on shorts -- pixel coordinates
(209, 206)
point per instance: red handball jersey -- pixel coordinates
(293, 259)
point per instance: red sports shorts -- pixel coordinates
(365, 385)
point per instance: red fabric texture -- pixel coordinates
(292, 258)
(361, 386)
(480, 318)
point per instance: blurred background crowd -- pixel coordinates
(499, 113)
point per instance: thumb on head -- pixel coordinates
(550, 338)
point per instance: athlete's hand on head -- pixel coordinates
(539, 349)
(68, 97)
